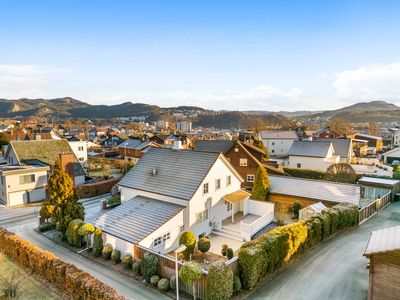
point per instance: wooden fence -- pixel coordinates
(368, 211)
(167, 268)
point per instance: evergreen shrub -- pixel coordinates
(107, 251)
(219, 281)
(127, 261)
(136, 267)
(189, 240)
(47, 226)
(74, 238)
(163, 284)
(116, 256)
(97, 242)
(172, 282)
(154, 280)
(237, 285)
(149, 265)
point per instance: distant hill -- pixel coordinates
(359, 107)
(300, 113)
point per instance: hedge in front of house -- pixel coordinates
(114, 201)
(116, 256)
(219, 281)
(107, 251)
(97, 242)
(136, 267)
(276, 248)
(305, 173)
(47, 226)
(74, 238)
(127, 261)
(63, 275)
(149, 265)
(154, 280)
(237, 284)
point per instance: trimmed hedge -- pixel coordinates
(63, 275)
(136, 267)
(116, 256)
(114, 201)
(189, 240)
(305, 173)
(97, 242)
(96, 189)
(149, 265)
(74, 238)
(107, 251)
(127, 261)
(154, 280)
(163, 284)
(276, 248)
(219, 281)
(47, 226)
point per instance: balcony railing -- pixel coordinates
(368, 211)
(247, 230)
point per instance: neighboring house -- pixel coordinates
(391, 156)
(171, 191)
(45, 153)
(114, 140)
(375, 188)
(244, 157)
(326, 132)
(183, 126)
(96, 132)
(312, 155)
(160, 138)
(360, 147)
(22, 184)
(80, 150)
(278, 142)
(226, 136)
(50, 131)
(38, 136)
(343, 147)
(396, 138)
(133, 150)
(375, 143)
(383, 252)
(287, 190)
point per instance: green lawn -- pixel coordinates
(30, 288)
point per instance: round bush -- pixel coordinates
(136, 267)
(219, 281)
(149, 265)
(237, 285)
(47, 226)
(203, 245)
(116, 256)
(163, 284)
(229, 253)
(189, 240)
(172, 282)
(224, 246)
(154, 280)
(107, 251)
(127, 261)
(223, 252)
(296, 209)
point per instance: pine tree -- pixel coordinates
(261, 184)
(63, 199)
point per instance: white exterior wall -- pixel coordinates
(315, 163)
(81, 155)
(278, 147)
(116, 243)
(12, 158)
(79, 180)
(172, 226)
(396, 138)
(260, 208)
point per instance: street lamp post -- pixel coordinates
(179, 249)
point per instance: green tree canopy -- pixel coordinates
(86, 230)
(129, 167)
(4, 140)
(190, 272)
(261, 184)
(63, 199)
(341, 172)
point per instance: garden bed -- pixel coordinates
(111, 265)
(199, 257)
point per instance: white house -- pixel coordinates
(278, 142)
(312, 155)
(396, 138)
(22, 184)
(391, 156)
(171, 191)
(343, 147)
(80, 150)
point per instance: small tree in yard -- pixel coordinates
(189, 240)
(296, 209)
(44, 211)
(129, 167)
(63, 200)
(261, 184)
(341, 172)
(4, 140)
(203, 245)
(86, 230)
(190, 272)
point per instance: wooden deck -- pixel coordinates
(238, 218)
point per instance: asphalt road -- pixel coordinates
(335, 269)
(22, 221)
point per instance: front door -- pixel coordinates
(228, 206)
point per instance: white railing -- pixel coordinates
(218, 222)
(368, 211)
(247, 230)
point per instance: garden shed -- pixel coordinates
(375, 188)
(313, 209)
(383, 251)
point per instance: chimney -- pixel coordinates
(38, 137)
(310, 138)
(154, 171)
(177, 145)
(12, 131)
(67, 163)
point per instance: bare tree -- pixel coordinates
(341, 172)
(340, 125)
(373, 129)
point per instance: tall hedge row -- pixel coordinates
(276, 248)
(63, 275)
(305, 173)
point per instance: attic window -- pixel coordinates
(237, 149)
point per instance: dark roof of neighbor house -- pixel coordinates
(383, 240)
(43, 153)
(137, 218)
(321, 130)
(342, 146)
(315, 189)
(309, 148)
(214, 145)
(178, 173)
(367, 136)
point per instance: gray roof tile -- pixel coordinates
(342, 146)
(309, 148)
(214, 145)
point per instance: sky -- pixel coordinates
(220, 55)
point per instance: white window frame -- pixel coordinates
(251, 176)
(299, 166)
(181, 228)
(243, 162)
(217, 184)
(162, 239)
(32, 178)
(237, 149)
(201, 216)
(228, 180)
(206, 188)
(228, 206)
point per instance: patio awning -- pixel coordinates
(236, 196)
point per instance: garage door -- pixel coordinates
(37, 195)
(18, 198)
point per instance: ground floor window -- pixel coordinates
(162, 239)
(250, 177)
(299, 165)
(202, 216)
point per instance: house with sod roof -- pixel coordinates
(170, 191)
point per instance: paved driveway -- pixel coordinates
(335, 269)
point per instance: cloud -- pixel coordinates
(114, 99)
(29, 70)
(369, 83)
(321, 76)
(8, 81)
